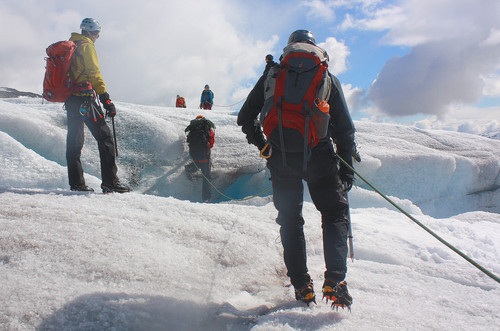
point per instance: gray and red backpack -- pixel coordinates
(295, 114)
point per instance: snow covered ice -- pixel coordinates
(158, 259)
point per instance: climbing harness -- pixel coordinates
(456, 250)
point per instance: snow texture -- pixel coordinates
(158, 259)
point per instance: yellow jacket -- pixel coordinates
(84, 65)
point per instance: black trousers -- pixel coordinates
(327, 195)
(75, 140)
(200, 153)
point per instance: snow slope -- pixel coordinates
(156, 259)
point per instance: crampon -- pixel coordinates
(337, 293)
(306, 294)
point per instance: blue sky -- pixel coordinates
(398, 60)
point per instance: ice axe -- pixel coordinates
(112, 122)
(114, 135)
(349, 235)
(357, 158)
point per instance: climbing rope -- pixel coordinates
(234, 104)
(447, 244)
(432, 233)
(225, 196)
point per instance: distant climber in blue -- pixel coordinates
(207, 98)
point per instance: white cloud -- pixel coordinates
(25, 35)
(319, 10)
(374, 19)
(185, 55)
(483, 121)
(493, 38)
(353, 97)
(414, 22)
(338, 53)
(171, 47)
(428, 21)
(454, 44)
(491, 85)
(432, 77)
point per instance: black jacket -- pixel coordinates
(341, 125)
(269, 64)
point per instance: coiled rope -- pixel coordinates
(447, 244)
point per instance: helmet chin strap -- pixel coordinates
(93, 37)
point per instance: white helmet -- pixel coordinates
(90, 25)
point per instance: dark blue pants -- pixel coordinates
(200, 153)
(325, 188)
(75, 139)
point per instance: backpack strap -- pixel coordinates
(306, 134)
(75, 79)
(280, 128)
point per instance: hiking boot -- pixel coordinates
(115, 187)
(81, 188)
(190, 170)
(306, 293)
(337, 293)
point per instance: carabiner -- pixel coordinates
(269, 151)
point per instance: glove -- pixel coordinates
(347, 181)
(107, 104)
(259, 141)
(110, 109)
(346, 175)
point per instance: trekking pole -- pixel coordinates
(357, 158)
(349, 235)
(114, 135)
(112, 122)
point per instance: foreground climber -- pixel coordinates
(302, 108)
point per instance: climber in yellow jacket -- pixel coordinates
(82, 108)
(85, 66)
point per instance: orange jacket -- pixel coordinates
(181, 102)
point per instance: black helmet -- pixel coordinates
(302, 36)
(269, 57)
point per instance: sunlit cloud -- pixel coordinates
(317, 9)
(173, 47)
(338, 53)
(455, 51)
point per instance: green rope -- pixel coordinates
(468, 259)
(225, 196)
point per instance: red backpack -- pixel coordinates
(180, 102)
(58, 84)
(295, 114)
